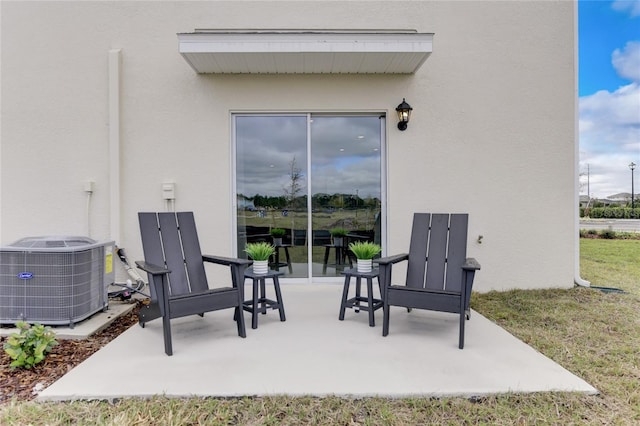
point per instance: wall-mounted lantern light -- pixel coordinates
(404, 114)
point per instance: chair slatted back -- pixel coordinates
(437, 251)
(170, 239)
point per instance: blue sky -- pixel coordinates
(609, 90)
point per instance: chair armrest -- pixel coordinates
(151, 268)
(471, 265)
(225, 260)
(237, 268)
(391, 259)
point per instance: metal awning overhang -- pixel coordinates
(305, 52)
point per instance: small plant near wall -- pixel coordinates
(364, 249)
(338, 232)
(259, 251)
(277, 232)
(338, 235)
(364, 252)
(30, 345)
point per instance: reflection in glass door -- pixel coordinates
(345, 188)
(271, 187)
(313, 177)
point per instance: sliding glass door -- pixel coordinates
(315, 177)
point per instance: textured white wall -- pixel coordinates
(492, 131)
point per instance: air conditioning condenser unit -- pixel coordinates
(54, 280)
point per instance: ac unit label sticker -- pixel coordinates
(25, 275)
(108, 263)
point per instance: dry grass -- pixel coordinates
(595, 335)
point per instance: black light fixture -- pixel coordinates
(404, 114)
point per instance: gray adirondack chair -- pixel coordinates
(439, 275)
(175, 266)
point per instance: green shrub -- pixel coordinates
(607, 234)
(30, 345)
(584, 233)
(612, 213)
(622, 235)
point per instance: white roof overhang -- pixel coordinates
(305, 51)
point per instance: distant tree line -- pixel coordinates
(319, 201)
(292, 198)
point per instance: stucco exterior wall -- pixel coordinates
(492, 131)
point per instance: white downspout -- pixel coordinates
(576, 120)
(115, 65)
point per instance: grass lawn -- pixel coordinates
(594, 334)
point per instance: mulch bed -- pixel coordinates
(21, 383)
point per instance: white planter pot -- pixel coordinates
(364, 265)
(260, 267)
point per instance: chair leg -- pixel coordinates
(462, 322)
(345, 294)
(463, 319)
(325, 260)
(165, 311)
(239, 317)
(385, 318)
(286, 253)
(166, 329)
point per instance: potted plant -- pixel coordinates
(364, 252)
(338, 234)
(260, 253)
(277, 234)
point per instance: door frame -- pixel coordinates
(382, 115)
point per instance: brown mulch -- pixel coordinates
(19, 383)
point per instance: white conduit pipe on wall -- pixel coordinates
(115, 65)
(88, 211)
(88, 190)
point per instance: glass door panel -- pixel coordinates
(345, 188)
(271, 187)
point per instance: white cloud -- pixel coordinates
(610, 139)
(631, 6)
(627, 61)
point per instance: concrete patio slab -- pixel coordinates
(313, 353)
